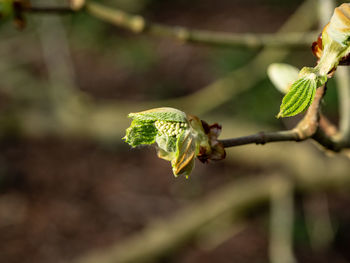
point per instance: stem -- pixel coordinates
(305, 129)
(329, 58)
(262, 138)
(138, 24)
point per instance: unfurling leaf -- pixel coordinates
(333, 47)
(179, 137)
(299, 97)
(160, 114)
(338, 28)
(186, 151)
(140, 133)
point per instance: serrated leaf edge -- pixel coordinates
(295, 102)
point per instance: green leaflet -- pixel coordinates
(140, 132)
(160, 114)
(299, 97)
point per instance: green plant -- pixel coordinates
(181, 139)
(333, 49)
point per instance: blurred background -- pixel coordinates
(72, 191)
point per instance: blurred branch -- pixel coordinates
(327, 127)
(62, 101)
(318, 221)
(217, 232)
(325, 11)
(48, 10)
(281, 223)
(164, 236)
(139, 24)
(237, 81)
(343, 85)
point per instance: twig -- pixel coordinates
(328, 142)
(327, 127)
(310, 127)
(139, 24)
(303, 131)
(261, 138)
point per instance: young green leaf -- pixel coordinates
(160, 114)
(299, 97)
(140, 133)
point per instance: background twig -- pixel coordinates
(138, 24)
(281, 222)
